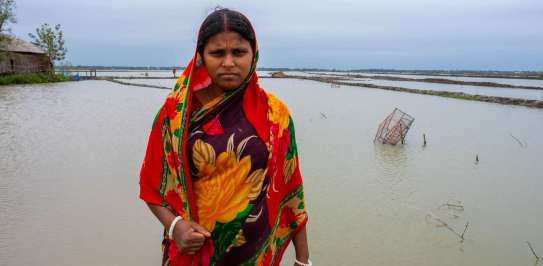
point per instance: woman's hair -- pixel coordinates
(223, 20)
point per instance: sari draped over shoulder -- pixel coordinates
(231, 166)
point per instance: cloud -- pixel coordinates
(337, 34)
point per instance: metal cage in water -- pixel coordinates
(394, 128)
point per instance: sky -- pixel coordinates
(502, 35)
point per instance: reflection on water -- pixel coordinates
(71, 154)
(392, 170)
(391, 162)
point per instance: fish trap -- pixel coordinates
(394, 128)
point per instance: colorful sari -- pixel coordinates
(230, 166)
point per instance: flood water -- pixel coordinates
(512, 81)
(517, 82)
(519, 93)
(528, 94)
(71, 154)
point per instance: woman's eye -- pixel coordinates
(217, 53)
(239, 52)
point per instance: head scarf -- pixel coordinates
(165, 177)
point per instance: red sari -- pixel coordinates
(230, 166)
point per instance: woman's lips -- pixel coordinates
(228, 75)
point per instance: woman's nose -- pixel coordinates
(228, 61)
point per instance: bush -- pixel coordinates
(30, 78)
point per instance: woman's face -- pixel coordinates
(228, 58)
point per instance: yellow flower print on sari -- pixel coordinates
(224, 185)
(278, 113)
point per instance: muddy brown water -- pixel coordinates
(70, 157)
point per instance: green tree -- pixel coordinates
(51, 40)
(7, 15)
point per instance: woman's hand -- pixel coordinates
(189, 236)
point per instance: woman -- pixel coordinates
(221, 168)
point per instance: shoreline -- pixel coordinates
(476, 74)
(442, 81)
(446, 94)
(133, 84)
(533, 75)
(32, 78)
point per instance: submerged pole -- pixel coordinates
(424, 138)
(533, 252)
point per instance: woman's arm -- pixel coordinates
(163, 214)
(188, 236)
(301, 247)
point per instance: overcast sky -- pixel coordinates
(401, 34)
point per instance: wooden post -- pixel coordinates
(424, 138)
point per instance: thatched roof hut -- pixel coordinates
(18, 56)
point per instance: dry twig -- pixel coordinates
(465, 229)
(533, 251)
(522, 145)
(446, 225)
(323, 116)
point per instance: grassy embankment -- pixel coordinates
(30, 78)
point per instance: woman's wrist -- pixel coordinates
(175, 221)
(305, 262)
(303, 257)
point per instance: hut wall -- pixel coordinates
(12, 63)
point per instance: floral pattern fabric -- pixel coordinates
(231, 166)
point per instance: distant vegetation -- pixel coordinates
(51, 40)
(29, 78)
(7, 15)
(116, 68)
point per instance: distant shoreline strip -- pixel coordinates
(134, 84)
(447, 94)
(441, 81)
